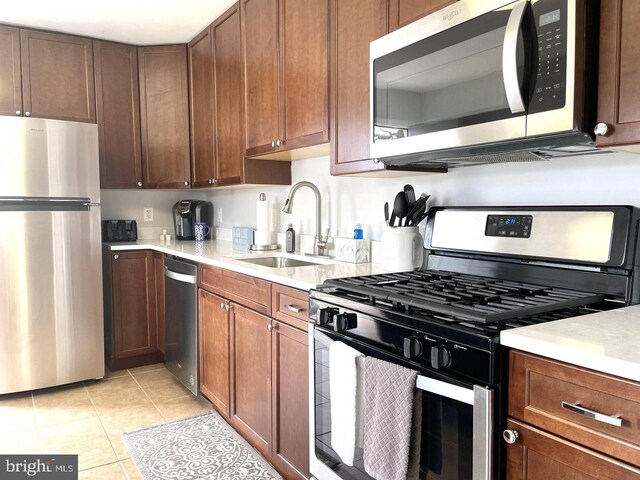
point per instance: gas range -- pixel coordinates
(487, 269)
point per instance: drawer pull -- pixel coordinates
(510, 436)
(293, 308)
(614, 420)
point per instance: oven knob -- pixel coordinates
(345, 321)
(325, 315)
(440, 357)
(412, 347)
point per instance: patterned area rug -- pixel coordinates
(200, 447)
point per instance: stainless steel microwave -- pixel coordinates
(485, 81)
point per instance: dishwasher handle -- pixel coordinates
(180, 277)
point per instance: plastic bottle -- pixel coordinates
(357, 232)
(290, 243)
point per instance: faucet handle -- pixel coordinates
(326, 237)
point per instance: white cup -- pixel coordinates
(402, 248)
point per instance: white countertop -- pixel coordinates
(220, 254)
(608, 342)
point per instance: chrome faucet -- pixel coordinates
(320, 243)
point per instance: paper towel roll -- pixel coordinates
(263, 233)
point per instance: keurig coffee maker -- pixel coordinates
(186, 213)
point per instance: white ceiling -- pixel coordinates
(139, 22)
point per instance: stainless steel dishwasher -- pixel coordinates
(181, 321)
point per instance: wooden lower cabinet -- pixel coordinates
(290, 401)
(213, 338)
(131, 315)
(541, 455)
(251, 378)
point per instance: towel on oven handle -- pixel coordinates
(392, 421)
(345, 390)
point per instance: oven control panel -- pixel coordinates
(511, 226)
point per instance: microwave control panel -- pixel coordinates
(549, 92)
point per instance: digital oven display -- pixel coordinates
(550, 17)
(514, 226)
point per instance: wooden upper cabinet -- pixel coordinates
(10, 81)
(164, 114)
(304, 59)
(354, 25)
(202, 119)
(57, 76)
(403, 12)
(227, 54)
(619, 75)
(118, 112)
(261, 66)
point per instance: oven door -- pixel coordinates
(452, 79)
(457, 421)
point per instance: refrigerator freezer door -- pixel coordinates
(48, 158)
(51, 318)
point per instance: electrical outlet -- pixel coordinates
(148, 214)
(219, 214)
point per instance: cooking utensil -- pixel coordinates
(400, 207)
(417, 208)
(419, 211)
(420, 218)
(410, 194)
(386, 212)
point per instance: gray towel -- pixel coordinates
(392, 421)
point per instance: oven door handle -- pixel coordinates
(482, 400)
(510, 58)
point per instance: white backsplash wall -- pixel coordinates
(609, 178)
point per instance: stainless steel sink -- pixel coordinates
(277, 262)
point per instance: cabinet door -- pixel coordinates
(134, 303)
(227, 53)
(201, 99)
(540, 455)
(403, 12)
(158, 267)
(10, 86)
(354, 24)
(118, 110)
(304, 58)
(164, 115)
(260, 53)
(213, 339)
(290, 401)
(57, 76)
(619, 76)
(251, 379)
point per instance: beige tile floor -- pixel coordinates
(87, 418)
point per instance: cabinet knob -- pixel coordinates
(279, 142)
(510, 436)
(601, 129)
(27, 114)
(186, 184)
(139, 184)
(18, 112)
(271, 328)
(116, 256)
(273, 143)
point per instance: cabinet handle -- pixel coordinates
(18, 112)
(279, 142)
(293, 308)
(116, 256)
(27, 114)
(614, 420)
(273, 143)
(186, 184)
(510, 436)
(140, 184)
(601, 129)
(271, 328)
(214, 181)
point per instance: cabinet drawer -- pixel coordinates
(242, 289)
(538, 388)
(537, 454)
(290, 306)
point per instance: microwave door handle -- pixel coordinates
(510, 58)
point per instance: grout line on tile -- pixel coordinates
(124, 470)
(102, 425)
(150, 399)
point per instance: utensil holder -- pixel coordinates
(402, 247)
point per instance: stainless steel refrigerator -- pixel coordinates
(51, 318)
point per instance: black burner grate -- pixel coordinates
(466, 297)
